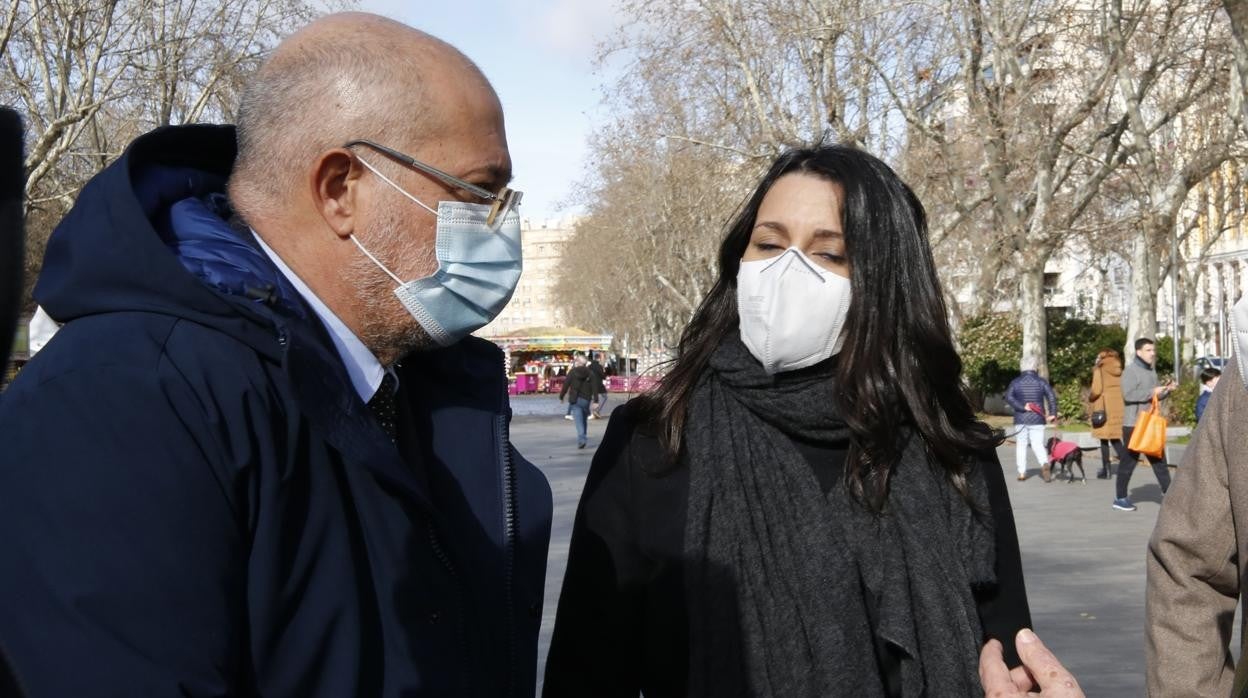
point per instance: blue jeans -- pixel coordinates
(580, 415)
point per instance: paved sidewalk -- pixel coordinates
(1083, 561)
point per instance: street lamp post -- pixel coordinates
(1174, 300)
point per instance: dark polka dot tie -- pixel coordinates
(385, 405)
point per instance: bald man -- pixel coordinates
(264, 456)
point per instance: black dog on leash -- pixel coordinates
(1065, 456)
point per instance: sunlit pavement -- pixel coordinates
(1083, 561)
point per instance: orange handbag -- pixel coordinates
(1149, 435)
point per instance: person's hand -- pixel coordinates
(1160, 389)
(1040, 669)
(1029, 406)
(1051, 418)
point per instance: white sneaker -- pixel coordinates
(567, 417)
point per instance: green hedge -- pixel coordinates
(1073, 346)
(993, 344)
(991, 347)
(1072, 401)
(1182, 403)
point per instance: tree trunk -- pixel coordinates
(1032, 316)
(1142, 316)
(1189, 290)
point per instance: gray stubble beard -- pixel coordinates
(388, 329)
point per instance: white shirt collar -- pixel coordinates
(364, 370)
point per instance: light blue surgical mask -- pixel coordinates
(478, 269)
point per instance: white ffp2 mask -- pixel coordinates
(791, 311)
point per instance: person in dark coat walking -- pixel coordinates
(600, 387)
(578, 388)
(1035, 405)
(806, 504)
(247, 464)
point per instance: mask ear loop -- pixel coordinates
(387, 180)
(401, 190)
(381, 266)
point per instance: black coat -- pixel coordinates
(195, 501)
(578, 384)
(621, 627)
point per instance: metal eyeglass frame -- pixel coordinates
(505, 200)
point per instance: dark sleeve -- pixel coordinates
(123, 565)
(597, 648)
(1011, 399)
(1003, 609)
(1051, 397)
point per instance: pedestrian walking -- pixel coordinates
(600, 387)
(1035, 405)
(1139, 385)
(1107, 408)
(578, 388)
(805, 505)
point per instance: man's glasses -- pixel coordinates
(505, 201)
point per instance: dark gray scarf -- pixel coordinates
(778, 574)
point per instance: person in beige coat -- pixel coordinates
(1106, 395)
(1198, 553)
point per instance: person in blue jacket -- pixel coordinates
(263, 456)
(1035, 405)
(1208, 381)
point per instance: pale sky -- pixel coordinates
(539, 56)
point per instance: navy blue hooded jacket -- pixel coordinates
(1030, 387)
(195, 502)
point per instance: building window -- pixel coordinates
(1051, 284)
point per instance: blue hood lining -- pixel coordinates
(214, 245)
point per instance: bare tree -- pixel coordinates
(1009, 112)
(1172, 85)
(1215, 207)
(714, 91)
(90, 75)
(1022, 126)
(1237, 12)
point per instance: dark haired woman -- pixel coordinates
(1106, 396)
(805, 506)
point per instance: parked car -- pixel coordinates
(1218, 362)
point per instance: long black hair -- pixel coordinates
(897, 366)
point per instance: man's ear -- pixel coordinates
(335, 181)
